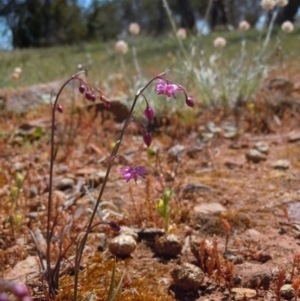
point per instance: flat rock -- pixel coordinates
(281, 164)
(241, 293)
(255, 156)
(24, 268)
(262, 147)
(209, 208)
(294, 136)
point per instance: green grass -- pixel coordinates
(154, 54)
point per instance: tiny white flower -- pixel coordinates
(219, 42)
(287, 26)
(268, 4)
(121, 47)
(244, 26)
(134, 29)
(181, 33)
(282, 2)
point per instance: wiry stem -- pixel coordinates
(53, 286)
(110, 162)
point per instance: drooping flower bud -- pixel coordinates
(59, 108)
(189, 101)
(114, 226)
(149, 113)
(81, 89)
(90, 96)
(147, 139)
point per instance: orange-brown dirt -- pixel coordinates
(259, 200)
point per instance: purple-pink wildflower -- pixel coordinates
(149, 113)
(20, 290)
(167, 89)
(133, 173)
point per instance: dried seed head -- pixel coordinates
(181, 33)
(268, 4)
(287, 26)
(282, 3)
(134, 29)
(244, 26)
(121, 47)
(219, 42)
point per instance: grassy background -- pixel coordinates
(154, 55)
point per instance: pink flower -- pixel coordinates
(167, 89)
(133, 173)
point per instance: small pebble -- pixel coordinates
(281, 164)
(262, 147)
(187, 276)
(255, 156)
(287, 291)
(122, 245)
(168, 246)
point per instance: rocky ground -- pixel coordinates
(234, 217)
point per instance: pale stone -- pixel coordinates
(241, 293)
(187, 276)
(122, 245)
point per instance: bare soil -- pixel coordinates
(259, 199)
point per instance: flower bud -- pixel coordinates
(147, 139)
(59, 108)
(189, 102)
(81, 89)
(114, 226)
(149, 113)
(90, 96)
